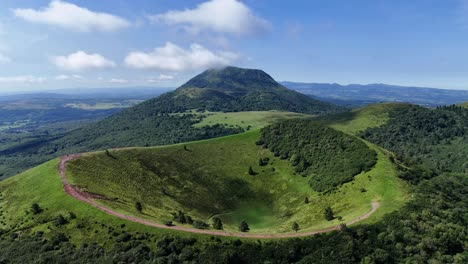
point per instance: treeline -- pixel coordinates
(431, 228)
(328, 157)
(435, 137)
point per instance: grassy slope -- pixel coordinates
(360, 119)
(465, 104)
(42, 185)
(254, 119)
(211, 179)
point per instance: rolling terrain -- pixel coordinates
(229, 89)
(210, 179)
(357, 95)
(388, 235)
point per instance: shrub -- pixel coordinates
(244, 227)
(36, 209)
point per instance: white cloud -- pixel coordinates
(117, 80)
(4, 58)
(27, 79)
(71, 16)
(81, 60)
(222, 16)
(171, 57)
(64, 77)
(161, 78)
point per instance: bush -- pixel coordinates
(217, 223)
(36, 209)
(328, 214)
(244, 227)
(200, 224)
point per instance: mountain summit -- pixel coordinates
(233, 89)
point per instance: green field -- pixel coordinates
(210, 179)
(250, 119)
(42, 185)
(361, 119)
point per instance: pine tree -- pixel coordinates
(244, 227)
(251, 171)
(138, 207)
(295, 226)
(328, 214)
(217, 223)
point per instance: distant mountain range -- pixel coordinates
(355, 95)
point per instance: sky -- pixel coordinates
(66, 44)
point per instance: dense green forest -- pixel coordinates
(431, 228)
(328, 157)
(437, 138)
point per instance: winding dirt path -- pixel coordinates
(84, 197)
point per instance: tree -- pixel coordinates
(108, 153)
(189, 219)
(244, 227)
(295, 226)
(138, 207)
(328, 214)
(251, 171)
(263, 161)
(36, 209)
(306, 200)
(217, 224)
(180, 217)
(60, 220)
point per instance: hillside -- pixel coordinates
(358, 120)
(433, 216)
(208, 179)
(436, 138)
(357, 95)
(172, 117)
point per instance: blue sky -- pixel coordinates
(120, 43)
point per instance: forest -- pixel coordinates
(436, 138)
(328, 157)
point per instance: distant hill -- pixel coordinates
(358, 95)
(171, 117)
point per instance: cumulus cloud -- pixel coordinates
(118, 80)
(4, 58)
(222, 16)
(26, 79)
(64, 77)
(171, 57)
(71, 16)
(161, 78)
(81, 60)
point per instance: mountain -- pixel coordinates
(233, 89)
(359, 95)
(171, 117)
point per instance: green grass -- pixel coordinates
(358, 120)
(42, 185)
(252, 119)
(465, 104)
(211, 179)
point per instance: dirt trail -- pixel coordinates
(81, 196)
